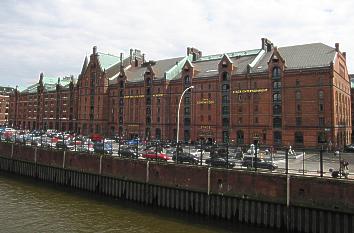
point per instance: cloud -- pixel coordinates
(54, 36)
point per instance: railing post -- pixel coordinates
(321, 162)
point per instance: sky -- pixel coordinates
(53, 36)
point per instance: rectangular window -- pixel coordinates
(298, 121)
(320, 107)
(225, 110)
(321, 121)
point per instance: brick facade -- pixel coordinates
(296, 95)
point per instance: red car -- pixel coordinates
(150, 154)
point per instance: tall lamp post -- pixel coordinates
(179, 107)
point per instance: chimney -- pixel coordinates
(188, 51)
(131, 56)
(337, 47)
(121, 59)
(263, 43)
(143, 57)
(345, 55)
(267, 45)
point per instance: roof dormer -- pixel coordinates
(187, 73)
(276, 63)
(225, 64)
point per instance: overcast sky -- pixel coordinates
(53, 37)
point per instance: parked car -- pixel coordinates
(103, 148)
(128, 153)
(349, 148)
(62, 145)
(185, 158)
(250, 162)
(149, 154)
(196, 152)
(220, 162)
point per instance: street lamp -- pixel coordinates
(179, 107)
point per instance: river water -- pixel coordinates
(30, 206)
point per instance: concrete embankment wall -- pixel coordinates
(291, 203)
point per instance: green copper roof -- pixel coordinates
(107, 60)
(230, 55)
(49, 84)
(176, 69)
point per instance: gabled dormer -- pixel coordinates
(225, 68)
(187, 73)
(276, 64)
(149, 75)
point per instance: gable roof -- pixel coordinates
(300, 57)
(107, 60)
(207, 66)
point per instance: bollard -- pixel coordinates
(321, 162)
(201, 152)
(255, 156)
(177, 152)
(287, 161)
(303, 161)
(227, 155)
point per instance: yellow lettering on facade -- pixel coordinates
(205, 101)
(250, 91)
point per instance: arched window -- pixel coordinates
(240, 137)
(148, 81)
(225, 76)
(187, 80)
(276, 72)
(299, 138)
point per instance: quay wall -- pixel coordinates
(288, 202)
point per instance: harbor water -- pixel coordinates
(31, 206)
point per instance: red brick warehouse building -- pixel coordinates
(295, 95)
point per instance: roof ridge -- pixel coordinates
(305, 45)
(108, 54)
(240, 53)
